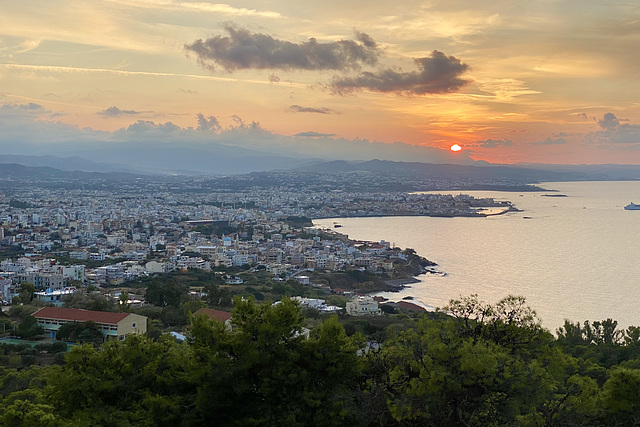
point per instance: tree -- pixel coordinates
(23, 413)
(26, 292)
(80, 331)
(510, 322)
(90, 301)
(29, 328)
(154, 329)
(620, 397)
(485, 365)
(164, 293)
(267, 363)
(124, 301)
(218, 296)
(134, 382)
(191, 306)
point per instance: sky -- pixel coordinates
(536, 81)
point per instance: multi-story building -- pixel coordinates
(114, 326)
(55, 297)
(363, 306)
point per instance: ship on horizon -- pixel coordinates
(632, 207)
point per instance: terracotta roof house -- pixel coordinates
(113, 325)
(410, 306)
(223, 316)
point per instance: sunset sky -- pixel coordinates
(509, 81)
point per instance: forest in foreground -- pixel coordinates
(479, 365)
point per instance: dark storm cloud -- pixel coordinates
(242, 49)
(116, 112)
(208, 123)
(551, 141)
(314, 134)
(319, 110)
(437, 73)
(614, 132)
(492, 143)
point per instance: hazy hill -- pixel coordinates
(13, 172)
(451, 171)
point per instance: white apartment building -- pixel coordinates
(363, 306)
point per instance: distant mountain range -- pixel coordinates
(73, 163)
(530, 173)
(192, 162)
(13, 171)
(161, 159)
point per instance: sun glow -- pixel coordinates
(456, 147)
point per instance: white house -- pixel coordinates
(363, 306)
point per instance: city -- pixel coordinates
(61, 239)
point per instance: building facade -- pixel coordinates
(114, 326)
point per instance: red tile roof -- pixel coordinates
(79, 315)
(410, 306)
(222, 316)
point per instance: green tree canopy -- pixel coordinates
(80, 331)
(164, 293)
(29, 328)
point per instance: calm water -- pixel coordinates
(577, 258)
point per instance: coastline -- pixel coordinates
(401, 283)
(559, 236)
(511, 208)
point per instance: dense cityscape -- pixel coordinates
(142, 229)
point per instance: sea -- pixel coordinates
(575, 257)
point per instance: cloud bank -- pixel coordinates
(26, 133)
(116, 112)
(492, 143)
(314, 134)
(551, 141)
(437, 74)
(320, 110)
(614, 132)
(242, 49)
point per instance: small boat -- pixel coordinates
(632, 207)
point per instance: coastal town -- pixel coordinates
(70, 239)
(159, 232)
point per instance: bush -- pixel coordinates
(6, 348)
(42, 347)
(30, 351)
(28, 360)
(58, 347)
(59, 359)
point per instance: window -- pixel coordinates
(133, 325)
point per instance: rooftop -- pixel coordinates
(79, 315)
(222, 316)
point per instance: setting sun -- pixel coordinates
(456, 147)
